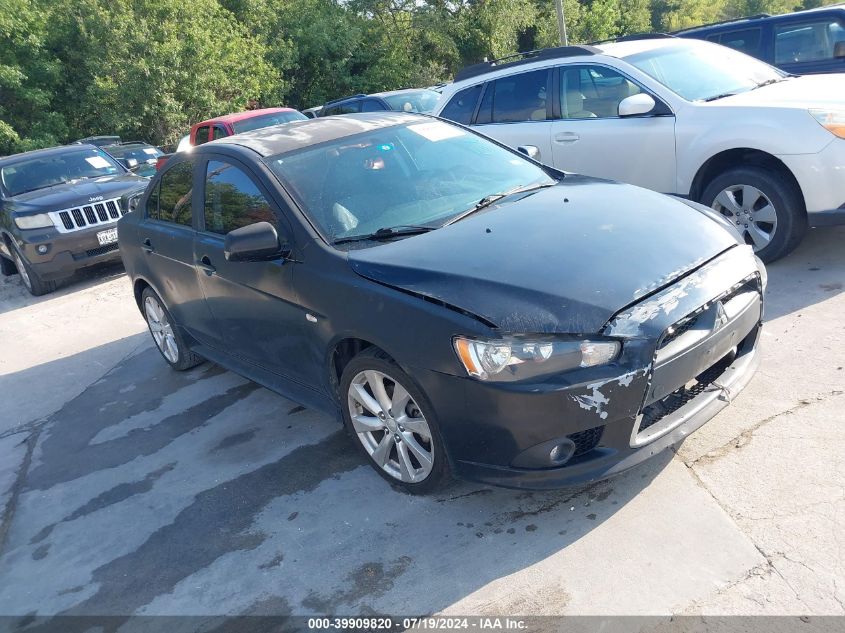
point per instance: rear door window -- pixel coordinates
(233, 200)
(746, 41)
(173, 196)
(462, 106)
(520, 97)
(372, 105)
(202, 135)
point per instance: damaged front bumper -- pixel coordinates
(688, 350)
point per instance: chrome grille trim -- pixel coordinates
(84, 216)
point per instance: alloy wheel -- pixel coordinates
(161, 329)
(751, 211)
(391, 426)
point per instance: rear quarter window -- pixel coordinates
(462, 105)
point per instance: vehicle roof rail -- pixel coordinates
(527, 57)
(344, 99)
(757, 16)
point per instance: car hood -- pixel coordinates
(76, 193)
(807, 91)
(563, 259)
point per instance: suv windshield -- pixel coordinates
(420, 173)
(266, 120)
(54, 169)
(417, 101)
(698, 71)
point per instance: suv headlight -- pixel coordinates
(832, 120)
(39, 221)
(518, 358)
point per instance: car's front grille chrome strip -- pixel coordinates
(87, 216)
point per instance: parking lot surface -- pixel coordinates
(129, 488)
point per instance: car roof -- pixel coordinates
(288, 137)
(50, 151)
(240, 116)
(752, 20)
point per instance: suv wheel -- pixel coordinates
(765, 208)
(393, 423)
(30, 278)
(166, 335)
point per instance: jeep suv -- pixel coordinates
(58, 212)
(801, 43)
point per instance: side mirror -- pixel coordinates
(636, 105)
(839, 50)
(529, 150)
(257, 242)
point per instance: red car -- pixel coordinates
(238, 122)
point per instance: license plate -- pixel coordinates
(107, 237)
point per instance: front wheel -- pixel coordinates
(30, 278)
(765, 208)
(393, 423)
(165, 333)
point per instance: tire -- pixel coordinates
(772, 219)
(395, 447)
(166, 334)
(31, 280)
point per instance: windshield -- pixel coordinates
(417, 101)
(266, 120)
(46, 171)
(141, 153)
(421, 173)
(702, 71)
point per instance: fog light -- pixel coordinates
(561, 453)
(43, 248)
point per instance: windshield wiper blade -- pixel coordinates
(387, 232)
(720, 96)
(769, 82)
(486, 201)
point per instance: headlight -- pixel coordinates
(40, 221)
(518, 358)
(832, 120)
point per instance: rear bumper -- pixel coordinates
(66, 252)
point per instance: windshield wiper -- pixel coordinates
(720, 96)
(769, 82)
(486, 201)
(387, 232)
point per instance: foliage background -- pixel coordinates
(147, 69)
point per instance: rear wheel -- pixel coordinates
(30, 278)
(765, 208)
(165, 333)
(393, 423)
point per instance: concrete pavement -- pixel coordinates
(135, 489)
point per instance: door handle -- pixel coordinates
(147, 245)
(566, 137)
(205, 265)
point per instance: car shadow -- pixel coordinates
(14, 295)
(200, 492)
(813, 273)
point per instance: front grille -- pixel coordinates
(585, 441)
(678, 329)
(101, 250)
(654, 413)
(86, 216)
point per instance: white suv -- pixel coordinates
(764, 148)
